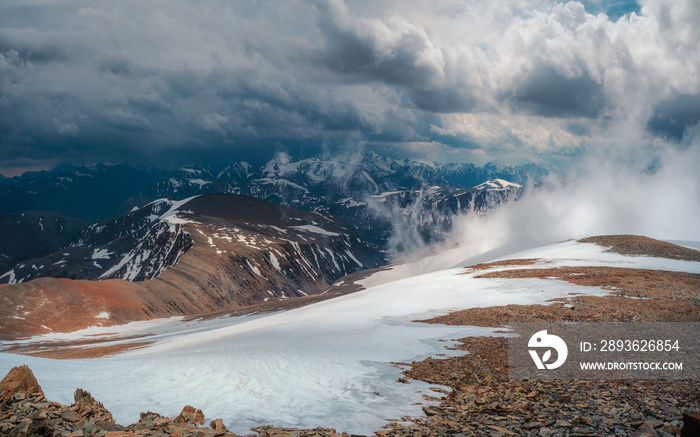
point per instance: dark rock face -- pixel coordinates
(33, 234)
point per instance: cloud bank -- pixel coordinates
(598, 198)
(517, 81)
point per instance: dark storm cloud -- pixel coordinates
(119, 66)
(444, 100)
(374, 51)
(164, 81)
(673, 116)
(547, 92)
(393, 52)
(125, 90)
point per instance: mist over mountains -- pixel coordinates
(381, 198)
(199, 239)
(98, 192)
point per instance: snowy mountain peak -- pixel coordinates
(280, 165)
(497, 184)
(239, 170)
(282, 158)
(194, 170)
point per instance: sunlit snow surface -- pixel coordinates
(327, 364)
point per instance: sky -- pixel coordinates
(515, 81)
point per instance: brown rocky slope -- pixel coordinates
(245, 251)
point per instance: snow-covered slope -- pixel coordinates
(497, 184)
(327, 364)
(137, 246)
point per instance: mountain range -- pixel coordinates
(374, 194)
(195, 241)
(99, 192)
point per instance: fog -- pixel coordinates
(596, 198)
(657, 196)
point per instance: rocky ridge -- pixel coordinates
(211, 253)
(483, 402)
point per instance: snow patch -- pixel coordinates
(255, 269)
(316, 230)
(351, 203)
(200, 182)
(12, 278)
(101, 254)
(275, 262)
(497, 184)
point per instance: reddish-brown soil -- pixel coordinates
(643, 246)
(77, 353)
(656, 284)
(504, 263)
(668, 297)
(64, 305)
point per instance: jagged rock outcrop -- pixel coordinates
(190, 416)
(25, 412)
(18, 380)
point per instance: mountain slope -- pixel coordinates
(334, 363)
(89, 193)
(204, 254)
(32, 234)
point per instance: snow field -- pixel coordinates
(327, 364)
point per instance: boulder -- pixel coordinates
(218, 425)
(190, 416)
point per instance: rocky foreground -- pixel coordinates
(483, 403)
(482, 400)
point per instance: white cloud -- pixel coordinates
(512, 75)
